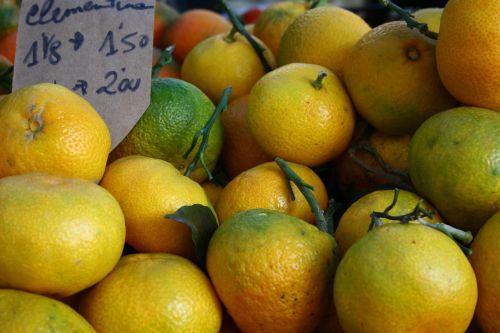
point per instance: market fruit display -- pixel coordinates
(302, 167)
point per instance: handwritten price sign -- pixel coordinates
(100, 49)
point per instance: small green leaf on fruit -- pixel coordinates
(202, 222)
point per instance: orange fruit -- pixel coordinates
(291, 118)
(405, 266)
(158, 189)
(453, 162)
(212, 190)
(392, 79)
(275, 19)
(8, 45)
(157, 292)
(322, 36)
(165, 15)
(272, 271)
(430, 16)
(240, 151)
(48, 128)
(177, 111)
(193, 26)
(486, 264)
(265, 186)
(224, 60)
(25, 312)
(351, 178)
(60, 235)
(356, 220)
(467, 51)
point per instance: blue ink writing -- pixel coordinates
(126, 44)
(81, 85)
(47, 13)
(77, 40)
(125, 84)
(50, 48)
(110, 41)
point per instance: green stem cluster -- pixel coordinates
(307, 192)
(259, 49)
(316, 3)
(410, 20)
(396, 176)
(462, 238)
(164, 59)
(204, 132)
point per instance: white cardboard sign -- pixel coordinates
(100, 49)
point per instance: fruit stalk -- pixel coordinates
(410, 20)
(204, 132)
(318, 83)
(259, 49)
(165, 58)
(316, 3)
(396, 176)
(460, 237)
(306, 190)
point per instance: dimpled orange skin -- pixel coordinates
(48, 128)
(21, 311)
(147, 190)
(153, 293)
(240, 68)
(468, 49)
(486, 264)
(272, 271)
(58, 235)
(292, 119)
(265, 186)
(323, 36)
(405, 278)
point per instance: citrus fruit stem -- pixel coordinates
(410, 20)
(316, 3)
(394, 175)
(230, 36)
(35, 121)
(318, 83)
(259, 49)
(204, 132)
(460, 237)
(306, 190)
(164, 59)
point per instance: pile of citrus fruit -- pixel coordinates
(304, 172)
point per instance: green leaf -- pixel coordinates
(202, 222)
